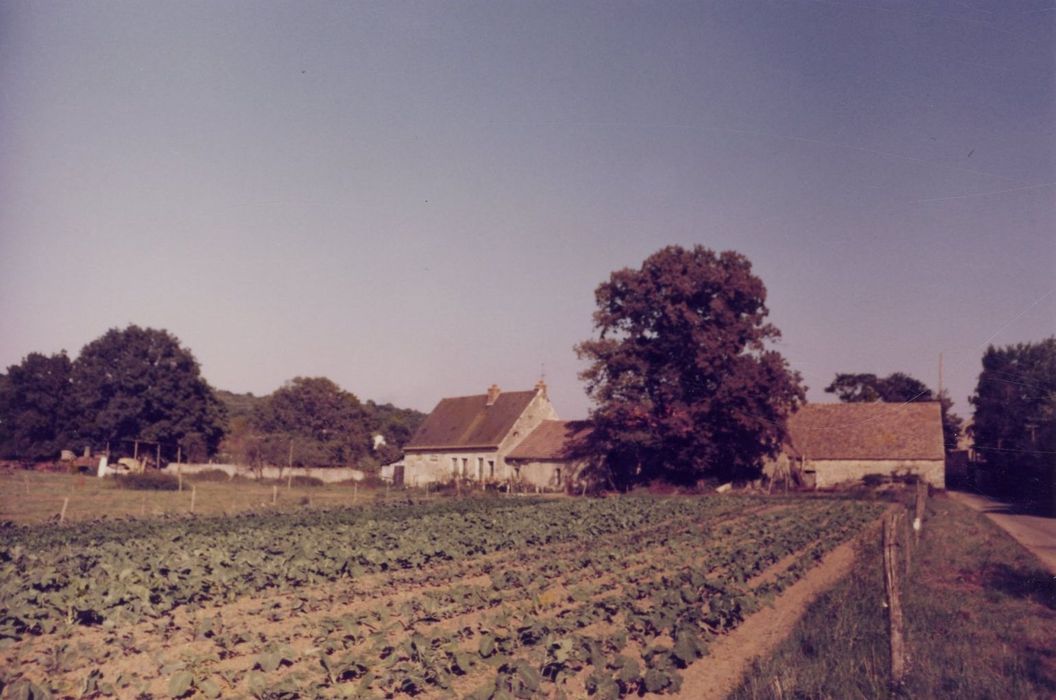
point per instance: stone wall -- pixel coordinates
(422, 468)
(829, 472)
(327, 475)
(545, 475)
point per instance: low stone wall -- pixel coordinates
(328, 475)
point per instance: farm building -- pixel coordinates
(831, 444)
(545, 458)
(470, 436)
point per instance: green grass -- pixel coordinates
(980, 623)
(35, 497)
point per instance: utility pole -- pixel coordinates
(940, 375)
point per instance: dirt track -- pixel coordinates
(716, 675)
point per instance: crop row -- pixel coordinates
(665, 615)
(616, 599)
(98, 577)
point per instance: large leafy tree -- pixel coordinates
(326, 425)
(37, 417)
(683, 383)
(1014, 426)
(897, 388)
(140, 383)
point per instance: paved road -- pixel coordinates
(1035, 533)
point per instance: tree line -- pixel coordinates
(684, 382)
(311, 421)
(141, 384)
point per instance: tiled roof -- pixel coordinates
(867, 431)
(467, 421)
(551, 440)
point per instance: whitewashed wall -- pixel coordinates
(327, 475)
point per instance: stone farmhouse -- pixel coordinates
(472, 437)
(836, 443)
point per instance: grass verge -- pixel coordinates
(980, 620)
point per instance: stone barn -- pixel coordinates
(831, 444)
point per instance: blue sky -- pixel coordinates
(417, 199)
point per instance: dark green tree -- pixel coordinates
(897, 388)
(326, 425)
(140, 383)
(683, 383)
(37, 416)
(396, 425)
(1014, 425)
(894, 388)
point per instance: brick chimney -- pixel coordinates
(493, 394)
(540, 388)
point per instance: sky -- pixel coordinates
(418, 199)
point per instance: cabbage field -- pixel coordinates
(478, 597)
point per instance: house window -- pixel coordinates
(491, 468)
(480, 469)
(465, 466)
(454, 466)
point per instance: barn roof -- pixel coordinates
(468, 421)
(867, 431)
(551, 440)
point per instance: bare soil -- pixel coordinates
(717, 674)
(145, 655)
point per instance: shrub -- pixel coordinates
(209, 475)
(372, 481)
(304, 481)
(872, 480)
(147, 481)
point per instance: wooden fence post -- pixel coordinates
(274, 494)
(179, 475)
(893, 588)
(918, 516)
(65, 503)
(25, 479)
(355, 493)
(194, 495)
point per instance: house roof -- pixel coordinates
(867, 431)
(550, 440)
(467, 421)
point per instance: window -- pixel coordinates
(480, 468)
(465, 466)
(454, 466)
(491, 468)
